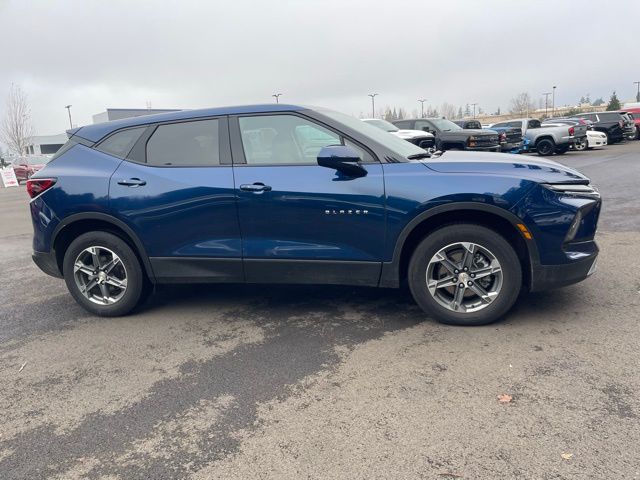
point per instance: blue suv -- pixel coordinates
(291, 194)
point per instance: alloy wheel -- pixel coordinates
(464, 277)
(100, 275)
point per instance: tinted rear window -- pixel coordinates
(120, 143)
(185, 144)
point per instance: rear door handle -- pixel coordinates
(132, 182)
(256, 187)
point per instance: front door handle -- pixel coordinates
(256, 187)
(132, 182)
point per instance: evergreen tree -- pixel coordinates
(394, 115)
(459, 112)
(588, 99)
(498, 111)
(597, 102)
(614, 103)
(467, 111)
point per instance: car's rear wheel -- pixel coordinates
(545, 147)
(103, 274)
(465, 274)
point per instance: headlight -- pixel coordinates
(575, 190)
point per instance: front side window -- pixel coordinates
(185, 144)
(120, 143)
(283, 139)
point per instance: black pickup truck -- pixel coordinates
(510, 137)
(613, 124)
(450, 136)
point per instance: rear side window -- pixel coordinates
(120, 143)
(186, 144)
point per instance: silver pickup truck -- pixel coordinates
(546, 140)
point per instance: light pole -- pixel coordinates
(68, 107)
(422, 100)
(474, 109)
(373, 103)
(638, 94)
(276, 96)
(553, 104)
(546, 102)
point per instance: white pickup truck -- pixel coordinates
(544, 139)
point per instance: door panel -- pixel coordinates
(310, 224)
(185, 216)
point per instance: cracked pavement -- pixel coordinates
(232, 381)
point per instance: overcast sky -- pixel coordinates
(191, 54)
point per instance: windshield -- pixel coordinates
(444, 125)
(393, 143)
(382, 124)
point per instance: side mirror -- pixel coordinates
(342, 158)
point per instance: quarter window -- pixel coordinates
(185, 144)
(121, 143)
(283, 139)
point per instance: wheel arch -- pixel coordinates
(504, 222)
(545, 137)
(80, 223)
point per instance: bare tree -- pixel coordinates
(447, 110)
(522, 104)
(16, 126)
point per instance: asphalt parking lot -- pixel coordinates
(325, 382)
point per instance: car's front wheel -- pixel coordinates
(581, 145)
(465, 274)
(103, 274)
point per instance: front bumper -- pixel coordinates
(47, 262)
(546, 277)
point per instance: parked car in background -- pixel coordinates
(25, 167)
(420, 138)
(612, 124)
(546, 140)
(238, 194)
(510, 137)
(630, 129)
(634, 110)
(592, 140)
(450, 136)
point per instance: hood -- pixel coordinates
(408, 134)
(487, 163)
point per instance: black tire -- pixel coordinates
(545, 147)
(137, 286)
(482, 236)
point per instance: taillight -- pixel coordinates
(35, 186)
(571, 130)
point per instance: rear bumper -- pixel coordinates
(514, 147)
(493, 148)
(546, 277)
(46, 261)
